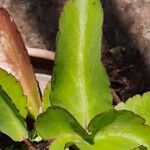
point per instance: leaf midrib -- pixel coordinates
(81, 69)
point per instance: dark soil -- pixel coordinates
(38, 22)
(123, 62)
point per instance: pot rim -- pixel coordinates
(41, 53)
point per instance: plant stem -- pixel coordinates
(29, 144)
(116, 97)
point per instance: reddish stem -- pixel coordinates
(29, 144)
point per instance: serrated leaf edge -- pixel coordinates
(18, 83)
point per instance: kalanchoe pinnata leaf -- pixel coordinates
(115, 143)
(108, 143)
(124, 129)
(45, 98)
(60, 143)
(15, 60)
(14, 90)
(11, 122)
(80, 83)
(64, 142)
(139, 105)
(58, 122)
(120, 125)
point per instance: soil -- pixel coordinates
(38, 22)
(124, 64)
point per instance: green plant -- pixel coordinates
(81, 115)
(139, 105)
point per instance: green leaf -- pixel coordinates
(124, 129)
(66, 142)
(139, 105)
(119, 127)
(11, 122)
(13, 88)
(113, 143)
(60, 143)
(80, 83)
(108, 143)
(15, 60)
(58, 122)
(46, 100)
(84, 145)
